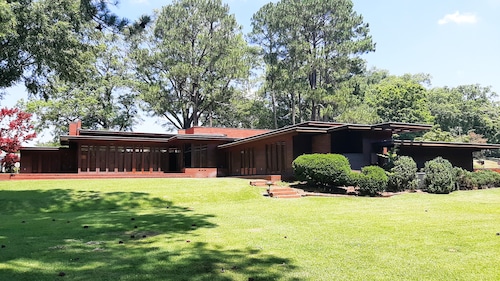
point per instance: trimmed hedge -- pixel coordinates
(372, 180)
(403, 175)
(322, 169)
(439, 176)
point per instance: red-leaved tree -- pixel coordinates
(15, 129)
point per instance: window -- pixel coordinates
(200, 156)
(275, 157)
(247, 158)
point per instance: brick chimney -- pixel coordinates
(74, 128)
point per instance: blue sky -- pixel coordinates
(455, 41)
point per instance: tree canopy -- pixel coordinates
(190, 65)
(189, 61)
(39, 38)
(309, 47)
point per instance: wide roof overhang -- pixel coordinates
(328, 127)
(167, 139)
(454, 145)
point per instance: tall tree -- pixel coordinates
(39, 38)
(313, 45)
(191, 61)
(103, 101)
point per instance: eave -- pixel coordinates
(457, 145)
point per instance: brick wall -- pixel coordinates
(229, 132)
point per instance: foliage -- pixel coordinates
(400, 100)
(15, 129)
(42, 38)
(463, 179)
(372, 180)
(322, 169)
(484, 179)
(403, 175)
(360, 114)
(354, 178)
(439, 176)
(307, 53)
(190, 61)
(389, 158)
(436, 134)
(466, 108)
(104, 101)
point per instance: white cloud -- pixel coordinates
(458, 18)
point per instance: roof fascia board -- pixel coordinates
(477, 146)
(275, 133)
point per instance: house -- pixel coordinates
(212, 152)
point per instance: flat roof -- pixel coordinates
(439, 144)
(327, 127)
(65, 140)
(122, 134)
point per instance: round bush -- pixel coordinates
(439, 176)
(372, 180)
(403, 175)
(322, 169)
(354, 178)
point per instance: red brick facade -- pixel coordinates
(211, 152)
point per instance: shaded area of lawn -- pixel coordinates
(92, 235)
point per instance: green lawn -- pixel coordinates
(224, 229)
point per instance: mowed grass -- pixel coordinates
(224, 229)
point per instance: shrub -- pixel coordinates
(485, 179)
(372, 180)
(439, 176)
(354, 178)
(463, 179)
(403, 175)
(322, 169)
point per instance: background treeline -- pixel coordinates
(190, 64)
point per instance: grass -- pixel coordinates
(224, 229)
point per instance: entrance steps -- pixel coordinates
(285, 192)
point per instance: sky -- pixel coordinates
(457, 42)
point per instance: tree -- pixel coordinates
(312, 46)
(103, 101)
(39, 38)
(466, 108)
(15, 129)
(397, 99)
(190, 62)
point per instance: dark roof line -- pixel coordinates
(66, 139)
(123, 134)
(476, 146)
(327, 127)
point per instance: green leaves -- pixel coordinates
(43, 38)
(191, 61)
(399, 100)
(311, 46)
(106, 101)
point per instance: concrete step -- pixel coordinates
(288, 196)
(282, 192)
(259, 183)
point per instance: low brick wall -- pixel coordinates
(200, 172)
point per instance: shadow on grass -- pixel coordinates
(117, 236)
(321, 188)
